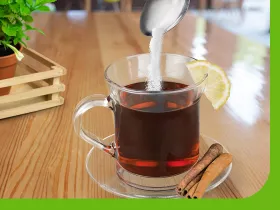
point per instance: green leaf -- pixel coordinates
(15, 17)
(22, 42)
(8, 16)
(26, 37)
(9, 30)
(24, 10)
(43, 8)
(19, 22)
(30, 2)
(15, 41)
(8, 38)
(17, 26)
(20, 34)
(5, 43)
(4, 21)
(28, 18)
(14, 7)
(5, 2)
(4, 11)
(28, 27)
(39, 30)
(1, 33)
(20, 1)
(42, 2)
(12, 19)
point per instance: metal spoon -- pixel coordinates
(165, 14)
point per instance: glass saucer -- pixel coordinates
(102, 168)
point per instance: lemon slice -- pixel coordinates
(218, 86)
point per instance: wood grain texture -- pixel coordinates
(41, 157)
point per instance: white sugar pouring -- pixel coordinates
(154, 75)
(158, 17)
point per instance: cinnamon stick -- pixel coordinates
(192, 183)
(211, 173)
(192, 191)
(213, 152)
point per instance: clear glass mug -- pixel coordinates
(156, 132)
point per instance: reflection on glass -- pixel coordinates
(199, 51)
(247, 79)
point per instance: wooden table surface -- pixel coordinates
(41, 156)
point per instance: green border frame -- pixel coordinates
(261, 200)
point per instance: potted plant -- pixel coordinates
(15, 22)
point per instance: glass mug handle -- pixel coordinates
(85, 105)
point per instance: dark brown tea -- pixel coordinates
(157, 135)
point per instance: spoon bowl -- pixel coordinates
(165, 14)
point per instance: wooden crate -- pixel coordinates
(36, 86)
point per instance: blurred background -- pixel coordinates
(250, 18)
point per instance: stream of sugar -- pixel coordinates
(154, 75)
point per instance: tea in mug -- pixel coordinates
(157, 135)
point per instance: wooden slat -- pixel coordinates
(32, 93)
(56, 72)
(39, 57)
(27, 68)
(55, 95)
(30, 108)
(24, 69)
